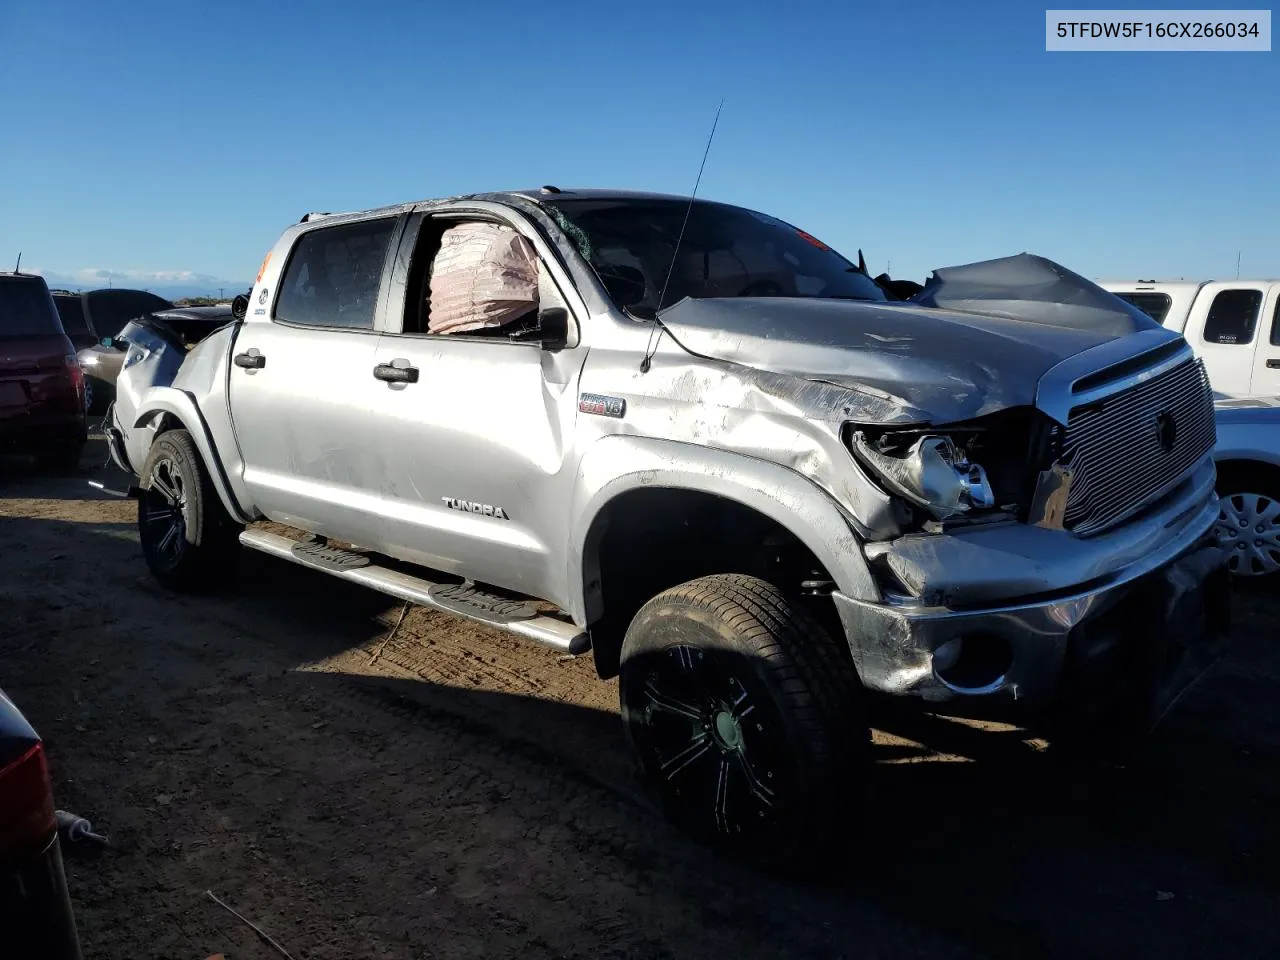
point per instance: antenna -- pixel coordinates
(657, 328)
(1238, 252)
(18, 268)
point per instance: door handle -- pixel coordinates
(397, 371)
(252, 360)
(1273, 364)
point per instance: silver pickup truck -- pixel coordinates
(715, 454)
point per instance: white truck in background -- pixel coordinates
(1234, 325)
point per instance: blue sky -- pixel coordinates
(172, 142)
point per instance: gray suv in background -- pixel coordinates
(700, 444)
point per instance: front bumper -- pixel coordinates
(1163, 614)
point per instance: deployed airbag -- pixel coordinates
(484, 275)
(1027, 287)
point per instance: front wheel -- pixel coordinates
(188, 538)
(1249, 523)
(746, 721)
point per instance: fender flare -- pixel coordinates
(619, 464)
(182, 406)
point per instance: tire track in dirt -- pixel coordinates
(243, 743)
(468, 795)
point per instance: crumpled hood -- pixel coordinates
(944, 364)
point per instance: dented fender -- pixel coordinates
(618, 464)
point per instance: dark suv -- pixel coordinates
(42, 398)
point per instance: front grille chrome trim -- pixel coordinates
(1113, 448)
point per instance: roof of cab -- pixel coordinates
(537, 194)
(592, 193)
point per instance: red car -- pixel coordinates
(37, 921)
(42, 398)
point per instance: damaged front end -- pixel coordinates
(1058, 552)
(958, 474)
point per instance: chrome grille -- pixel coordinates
(1115, 450)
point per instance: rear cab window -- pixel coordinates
(1154, 305)
(334, 274)
(1233, 317)
(26, 309)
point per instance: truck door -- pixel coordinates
(1266, 367)
(301, 395)
(474, 452)
(1223, 329)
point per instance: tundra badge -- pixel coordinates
(470, 506)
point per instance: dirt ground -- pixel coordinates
(469, 796)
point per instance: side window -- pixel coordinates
(1154, 305)
(1233, 317)
(1275, 325)
(333, 275)
(474, 279)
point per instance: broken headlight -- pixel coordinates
(930, 472)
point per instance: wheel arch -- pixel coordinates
(695, 511)
(167, 408)
(1234, 468)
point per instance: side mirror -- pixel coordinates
(553, 325)
(239, 306)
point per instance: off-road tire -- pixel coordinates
(189, 541)
(782, 780)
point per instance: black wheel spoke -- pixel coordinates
(696, 749)
(670, 704)
(722, 796)
(754, 783)
(169, 542)
(166, 488)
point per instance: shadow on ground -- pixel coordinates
(462, 793)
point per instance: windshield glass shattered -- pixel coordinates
(726, 251)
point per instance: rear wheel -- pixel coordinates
(188, 538)
(746, 721)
